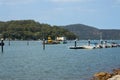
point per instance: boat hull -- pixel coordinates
(81, 47)
(77, 47)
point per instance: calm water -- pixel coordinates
(57, 62)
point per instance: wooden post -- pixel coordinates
(2, 44)
(9, 42)
(43, 44)
(88, 42)
(75, 43)
(9, 39)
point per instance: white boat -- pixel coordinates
(82, 47)
(76, 47)
(88, 47)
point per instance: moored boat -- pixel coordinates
(76, 47)
(50, 41)
(81, 47)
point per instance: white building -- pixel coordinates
(61, 38)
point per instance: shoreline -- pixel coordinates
(114, 75)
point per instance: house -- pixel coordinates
(61, 38)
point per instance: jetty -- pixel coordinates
(82, 47)
(102, 44)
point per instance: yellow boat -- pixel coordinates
(50, 41)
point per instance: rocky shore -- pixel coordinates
(114, 75)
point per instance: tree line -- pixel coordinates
(32, 30)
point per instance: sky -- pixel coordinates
(102, 14)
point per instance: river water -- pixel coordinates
(20, 61)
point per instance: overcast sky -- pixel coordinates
(102, 14)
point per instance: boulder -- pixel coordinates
(101, 76)
(116, 77)
(116, 71)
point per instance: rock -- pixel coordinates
(101, 76)
(116, 77)
(116, 71)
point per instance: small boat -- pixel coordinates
(76, 47)
(62, 40)
(50, 41)
(106, 45)
(88, 47)
(82, 47)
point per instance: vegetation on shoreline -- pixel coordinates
(31, 30)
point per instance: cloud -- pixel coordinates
(117, 1)
(15, 2)
(64, 1)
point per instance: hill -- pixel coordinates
(113, 34)
(31, 30)
(89, 32)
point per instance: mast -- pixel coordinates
(101, 38)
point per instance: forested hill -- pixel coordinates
(31, 30)
(111, 34)
(88, 32)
